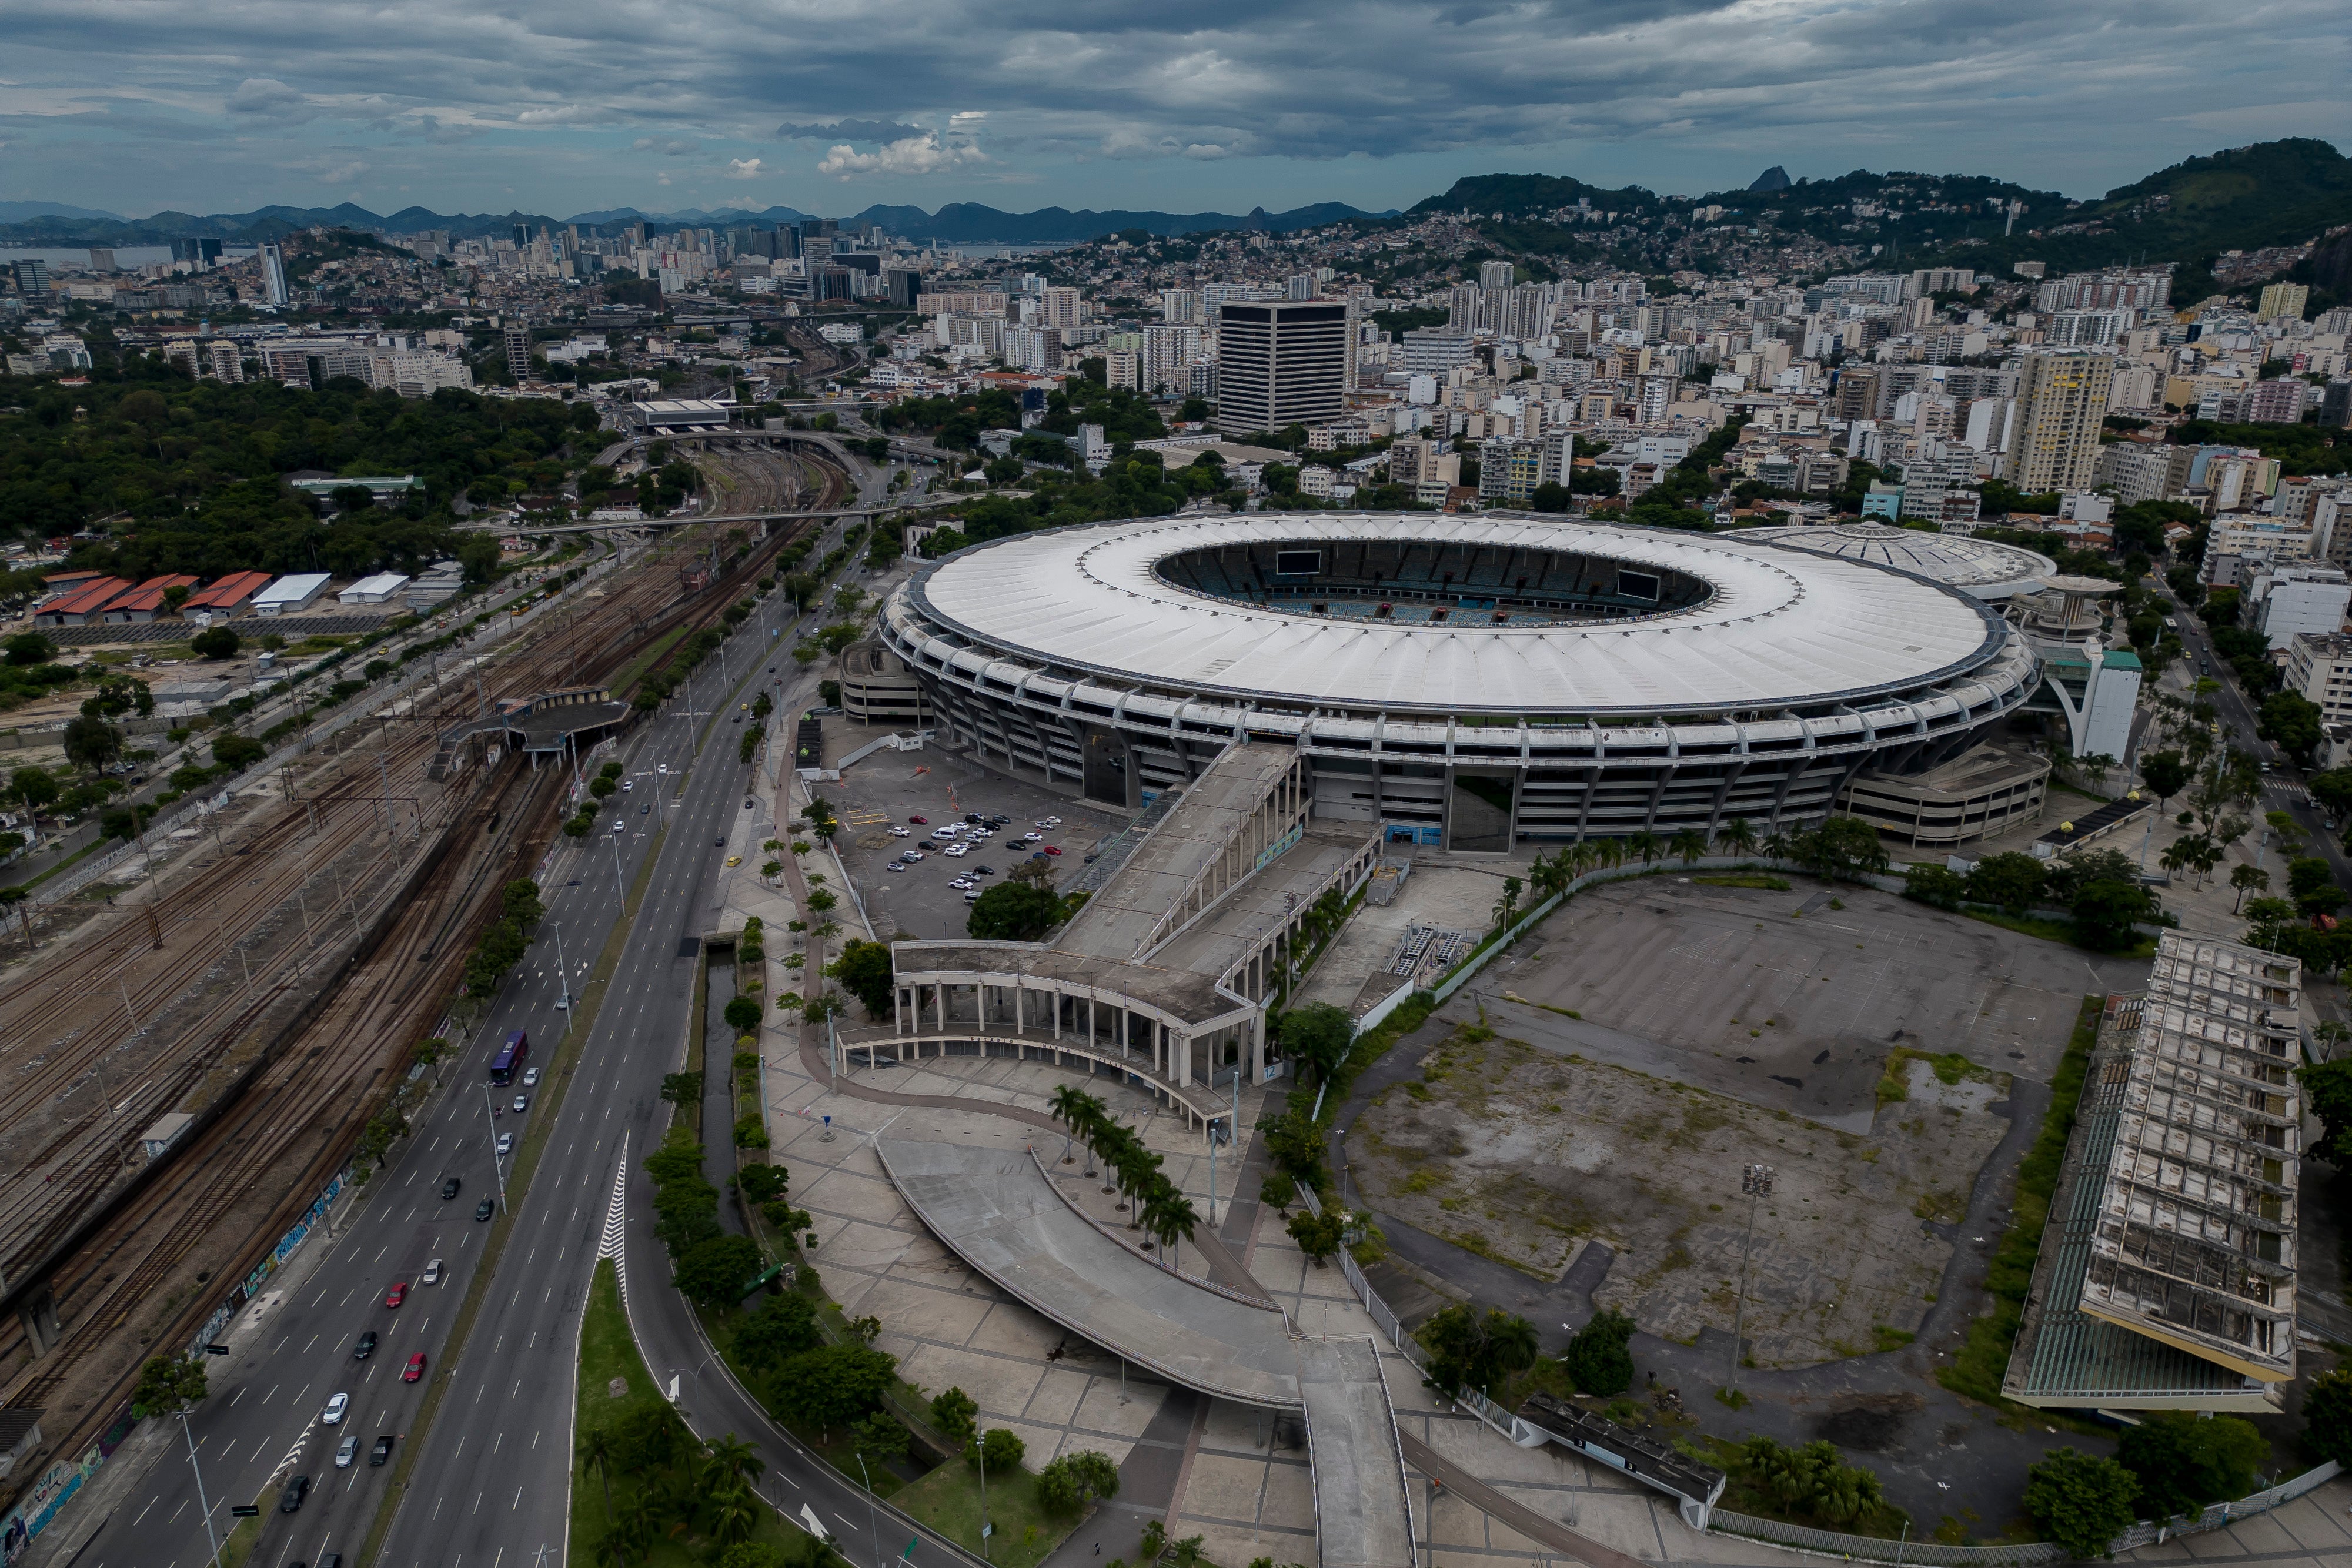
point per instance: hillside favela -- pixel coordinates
(913, 787)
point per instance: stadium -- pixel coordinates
(1468, 681)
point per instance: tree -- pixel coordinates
(2327, 1095)
(2012, 880)
(877, 1438)
(2165, 773)
(953, 1412)
(115, 696)
(1688, 845)
(834, 1385)
(1841, 847)
(169, 1385)
(215, 643)
(1466, 1349)
(743, 1014)
(1001, 1449)
(680, 1089)
(2311, 883)
(28, 648)
(2081, 1501)
(758, 1184)
(1597, 1358)
(92, 744)
(717, 1271)
(596, 1453)
(36, 788)
(1318, 1234)
(864, 971)
(2247, 877)
(731, 1459)
(1937, 885)
(519, 900)
(1076, 1480)
(1014, 912)
(2184, 1461)
(1320, 1035)
(2290, 722)
(2105, 912)
(782, 1328)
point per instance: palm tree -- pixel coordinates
(1645, 844)
(1508, 905)
(1739, 835)
(734, 1515)
(1068, 1106)
(596, 1449)
(733, 1459)
(1778, 848)
(1689, 844)
(1137, 1167)
(1173, 1218)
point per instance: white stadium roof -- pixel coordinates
(1982, 567)
(1782, 627)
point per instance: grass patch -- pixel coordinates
(608, 1351)
(1745, 1491)
(948, 1500)
(1949, 1067)
(1747, 879)
(1977, 1369)
(1891, 1338)
(79, 855)
(2055, 931)
(647, 657)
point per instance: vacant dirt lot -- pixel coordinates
(1522, 1154)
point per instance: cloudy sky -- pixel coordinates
(828, 105)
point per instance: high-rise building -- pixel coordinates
(2287, 300)
(33, 280)
(2335, 405)
(1179, 306)
(101, 259)
(1169, 351)
(203, 252)
(1061, 307)
(1495, 274)
(2054, 440)
(1280, 363)
(1302, 285)
(518, 341)
(273, 275)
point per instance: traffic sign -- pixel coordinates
(245, 1510)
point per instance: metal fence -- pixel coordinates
(1871, 1548)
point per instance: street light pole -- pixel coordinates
(1756, 1181)
(209, 1533)
(497, 1165)
(562, 973)
(873, 1526)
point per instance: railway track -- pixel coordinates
(324, 1084)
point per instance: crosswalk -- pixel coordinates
(2286, 789)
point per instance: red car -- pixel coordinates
(1052, 851)
(397, 1294)
(414, 1369)
(921, 821)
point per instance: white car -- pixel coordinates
(347, 1450)
(506, 1144)
(896, 865)
(627, 785)
(1053, 821)
(432, 1275)
(899, 833)
(1044, 821)
(332, 1414)
(952, 851)
(944, 832)
(912, 855)
(1032, 838)
(531, 1077)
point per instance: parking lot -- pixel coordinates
(891, 789)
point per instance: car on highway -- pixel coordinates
(432, 1275)
(735, 718)
(719, 843)
(414, 1369)
(399, 1292)
(332, 1415)
(505, 1147)
(521, 1103)
(291, 1499)
(485, 1208)
(644, 809)
(531, 1077)
(347, 1450)
(627, 785)
(382, 1450)
(366, 1346)
(451, 1187)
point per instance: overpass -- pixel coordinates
(675, 520)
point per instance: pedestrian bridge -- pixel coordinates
(994, 1208)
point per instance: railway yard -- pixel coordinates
(272, 978)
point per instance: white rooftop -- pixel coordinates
(1780, 627)
(1981, 567)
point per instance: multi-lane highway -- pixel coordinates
(489, 1483)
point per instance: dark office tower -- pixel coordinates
(1281, 362)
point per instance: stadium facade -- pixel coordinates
(1468, 681)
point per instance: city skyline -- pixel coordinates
(1213, 107)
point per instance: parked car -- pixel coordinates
(1053, 849)
(415, 1370)
(919, 822)
(898, 833)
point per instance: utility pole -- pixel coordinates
(497, 1165)
(209, 1533)
(1756, 1181)
(563, 974)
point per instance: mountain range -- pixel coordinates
(2243, 198)
(56, 224)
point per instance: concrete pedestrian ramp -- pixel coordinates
(1000, 1215)
(995, 1209)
